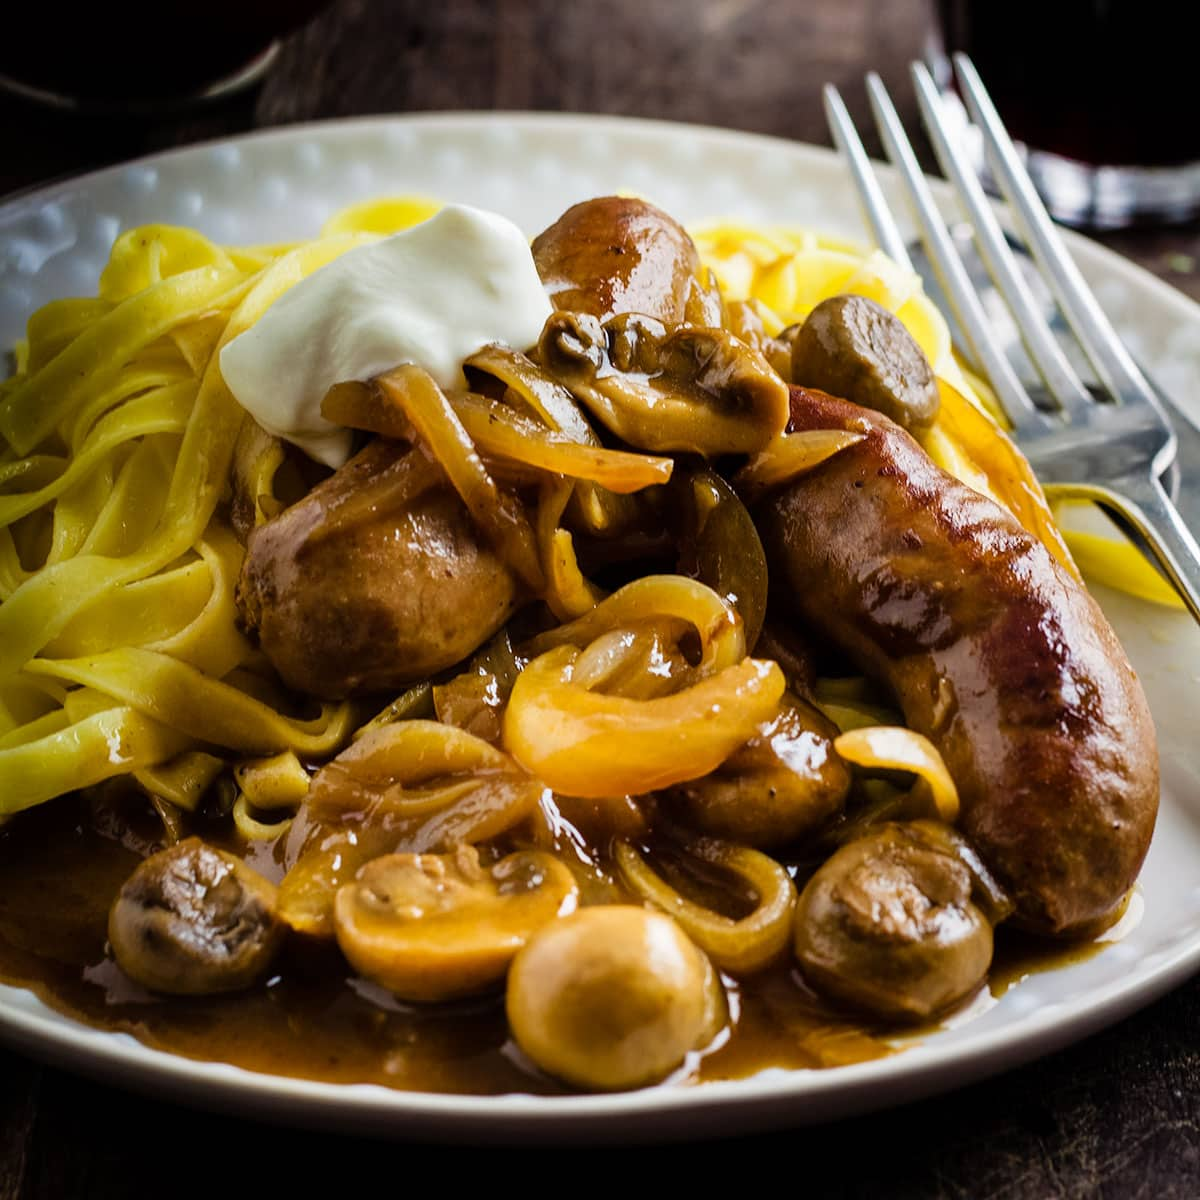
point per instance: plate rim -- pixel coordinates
(1184, 308)
(11, 202)
(665, 1111)
(669, 1111)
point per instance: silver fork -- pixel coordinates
(1111, 449)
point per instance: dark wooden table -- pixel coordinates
(1116, 1116)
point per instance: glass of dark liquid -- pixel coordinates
(1101, 94)
(139, 57)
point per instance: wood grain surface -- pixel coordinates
(1116, 1116)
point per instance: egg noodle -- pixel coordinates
(119, 649)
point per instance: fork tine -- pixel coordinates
(879, 217)
(875, 208)
(949, 266)
(1044, 350)
(1099, 339)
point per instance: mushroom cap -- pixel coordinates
(613, 997)
(432, 927)
(888, 925)
(194, 920)
(783, 784)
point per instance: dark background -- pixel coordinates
(1116, 1116)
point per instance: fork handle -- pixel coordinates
(1143, 502)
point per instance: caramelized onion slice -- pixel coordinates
(639, 661)
(584, 743)
(360, 404)
(416, 397)
(416, 786)
(599, 510)
(721, 546)
(716, 621)
(474, 699)
(500, 432)
(894, 748)
(740, 947)
(789, 455)
(402, 764)
(569, 593)
(544, 395)
(414, 702)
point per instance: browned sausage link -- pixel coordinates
(617, 254)
(993, 653)
(853, 347)
(376, 579)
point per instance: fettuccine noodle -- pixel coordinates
(116, 572)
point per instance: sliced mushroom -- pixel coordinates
(785, 782)
(432, 927)
(193, 920)
(888, 925)
(689, 388)
(613, 997)
(854, 348)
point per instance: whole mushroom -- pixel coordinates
(193, 920)
(888, 925)
(613, 997)
(783, 784)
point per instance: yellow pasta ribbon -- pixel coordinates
(31, 411)
(113, 742)
(112, 570)
(207, 709)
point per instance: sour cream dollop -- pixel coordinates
(431, 295)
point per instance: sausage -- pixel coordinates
(992, 651)
(853, 347)
(617, 254)
(376, 579)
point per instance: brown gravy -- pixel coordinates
(314, 1020)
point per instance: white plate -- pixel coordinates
(282, 184)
